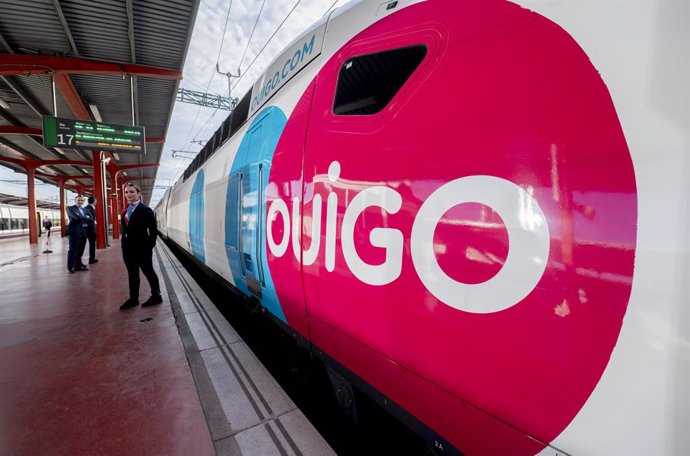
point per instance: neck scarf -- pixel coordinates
(130, 209)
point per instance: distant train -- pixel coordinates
(475, 211)
(14, 220)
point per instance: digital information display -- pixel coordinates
(81, 134)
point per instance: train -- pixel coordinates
(14, 220)
(475, 212)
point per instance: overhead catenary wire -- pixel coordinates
(274, 34)
(268, 41)
(178, 167)
(251, 35)
(195, 82)
(249, 41)
(330, 7)
(243, 73)
(202, 129)
(220, 50)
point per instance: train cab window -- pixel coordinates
(367, 83)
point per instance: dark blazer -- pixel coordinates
(91, 223)
(141, 231)
(76, 220)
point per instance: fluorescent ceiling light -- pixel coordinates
(124, 173)
(3, 104)
(117, 157)
(95, 112)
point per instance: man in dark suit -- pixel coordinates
(76, 230)
(139, 233)
(91, 230)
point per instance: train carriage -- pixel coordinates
(14, 219)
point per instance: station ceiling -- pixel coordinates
(92, 50)
(17, 200)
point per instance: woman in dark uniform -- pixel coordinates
(138, 240)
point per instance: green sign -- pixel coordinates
(81, 134)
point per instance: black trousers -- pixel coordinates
(136, 260)
(91, 237)
(77, 241)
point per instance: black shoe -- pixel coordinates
(153, 300)
(82, 268)
(129, 304)
(71, 271)
(93, 261)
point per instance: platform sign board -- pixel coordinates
(81, 134)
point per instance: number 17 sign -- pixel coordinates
(86, 135)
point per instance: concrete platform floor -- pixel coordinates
(80, 377)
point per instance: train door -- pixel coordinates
(355, 146)
(282, 146)
(251, 202)
(361, 139)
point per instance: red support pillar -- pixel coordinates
(101, 201)
(123, 200)
(33, 226)
(115, 205)
(63, 209)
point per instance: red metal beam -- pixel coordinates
(10, 130)
(66, 177)
(61, 181)
(160, 140)
(99, 192)
(63, 222)
(33, 225)
(16, 161)
(64, 162)
(71, 96)
(26, 163)
(114, 200)
(15, 64)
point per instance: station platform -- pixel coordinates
(81, 377)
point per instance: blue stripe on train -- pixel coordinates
(196, 217)
(255, 152)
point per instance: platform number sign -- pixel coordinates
(86, 135)
(65, 140)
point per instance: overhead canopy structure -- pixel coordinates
(17, 200)
(112, 61)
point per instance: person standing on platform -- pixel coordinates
(47, 225)
(91, 230)
(139, 233)
(76, 230)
